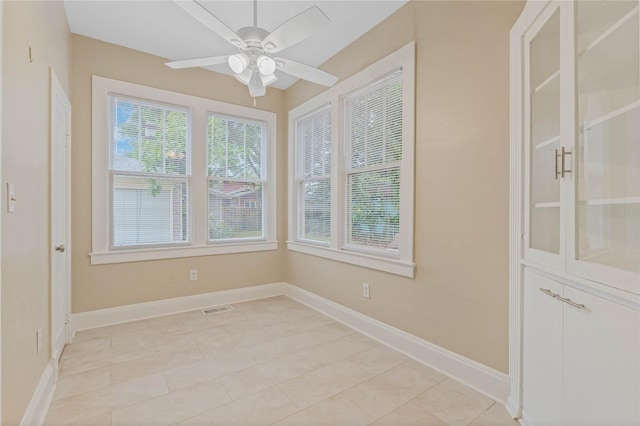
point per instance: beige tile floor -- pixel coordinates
(270, 361)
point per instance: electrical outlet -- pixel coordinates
(38, 340)
(193, 275)
(365, 290)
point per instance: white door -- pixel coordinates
(544, 192)
(60, 215)
(606, 212)
(542, 356)
(601, 368)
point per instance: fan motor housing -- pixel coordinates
(253, 36)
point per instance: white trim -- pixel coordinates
(198, 201)
(139, 311)
(403, 58)
(2, 185)
(484, 379)
(516, 213)
(139, 255)
(41, 400)
(391, 266)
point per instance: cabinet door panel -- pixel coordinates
(542, 358)
(606, 234)
(601, 367)
(542, 117)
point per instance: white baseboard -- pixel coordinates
(38, 407)
(478, 376)
(484, 379)
(139, 311)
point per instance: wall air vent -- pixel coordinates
(216, 310)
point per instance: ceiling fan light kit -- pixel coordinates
(238, 62)
(254, 65)
(266, 65)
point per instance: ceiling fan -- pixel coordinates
(254, 64)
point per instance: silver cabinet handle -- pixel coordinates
(561, 156)
(549, 292)
(562, 299)
(571, 302)
(60, 248)
(563, 170)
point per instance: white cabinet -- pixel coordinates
(601, 362)
(581, 357)
(575, 213)
(580, 121)
(542, 352)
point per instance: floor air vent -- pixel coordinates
(217, 310)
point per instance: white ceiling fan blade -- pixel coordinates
(206, 18)
(295, 29)
(306, 72)
(198, 62)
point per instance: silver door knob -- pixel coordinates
(60, 248)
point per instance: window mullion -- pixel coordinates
(337, 159)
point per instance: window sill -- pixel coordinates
(140, 255)
(391, 266)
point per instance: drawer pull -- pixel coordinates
(571, 302)
(549, 293)
(562, 299)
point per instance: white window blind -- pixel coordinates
(313, 176)
(236, 178)
(148, 167)
(373, 144)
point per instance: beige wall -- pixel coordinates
(25, 162)
(459, 297)
(105, 286)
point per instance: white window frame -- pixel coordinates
(186, 177)
(262, 180)
(198, 244)
(298, 179)
(402, 264)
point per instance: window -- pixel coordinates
(313, 176)
(352, 155)
(373, 143)
(236, 184)
(148, 163)
(177, 175)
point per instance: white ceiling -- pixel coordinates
(162, 28)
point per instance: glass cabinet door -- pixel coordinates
(607, 194)
(542, 112)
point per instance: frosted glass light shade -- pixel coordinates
(245, 76)
(238, 62)
(268, 79)
(266, 65)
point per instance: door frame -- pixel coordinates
(1, 188)
(531, 11)
(58, 94)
